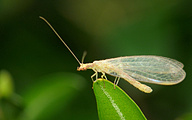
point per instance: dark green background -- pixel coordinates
(105, 29)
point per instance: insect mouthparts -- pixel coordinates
(78, 68)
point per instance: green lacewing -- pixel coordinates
(144, 68)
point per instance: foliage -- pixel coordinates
(115, 104)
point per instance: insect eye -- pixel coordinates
(84, 68)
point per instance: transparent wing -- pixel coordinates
(151, 69)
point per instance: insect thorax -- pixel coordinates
(101, 66)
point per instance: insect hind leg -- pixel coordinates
(116, 81)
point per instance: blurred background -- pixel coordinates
(39, 80)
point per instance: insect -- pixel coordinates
(145, 68)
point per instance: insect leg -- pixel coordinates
(116, 81)
(95, 74)
(103, 75)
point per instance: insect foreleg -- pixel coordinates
(95, 74)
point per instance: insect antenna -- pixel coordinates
(83, 57)
(60, 39)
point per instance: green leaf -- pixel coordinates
(10, 102)
(115, 104)
(6, 84)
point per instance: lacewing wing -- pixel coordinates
(145, 68)
(151, 69)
